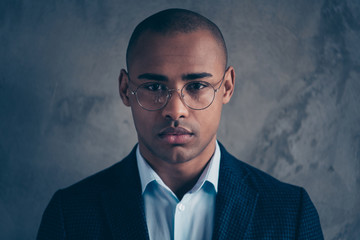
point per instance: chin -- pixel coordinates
(183, 155)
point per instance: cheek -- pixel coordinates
(142, 120)
(209, 120)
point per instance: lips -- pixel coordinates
(175, 136)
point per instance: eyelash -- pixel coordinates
(195, 85)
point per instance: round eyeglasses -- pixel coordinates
(196, 95)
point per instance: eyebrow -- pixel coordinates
(153, 76)
(193, 76)
(185, 77)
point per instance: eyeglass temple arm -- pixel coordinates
(222, 80)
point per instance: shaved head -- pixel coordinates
(173, 21)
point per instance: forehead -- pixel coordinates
(177, 52)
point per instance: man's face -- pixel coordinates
(177, 134)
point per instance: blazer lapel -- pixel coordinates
(123, 203)
(235, 200)
(124, 208)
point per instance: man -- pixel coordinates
(179, 182)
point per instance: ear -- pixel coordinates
(124, 87)
(229, 84)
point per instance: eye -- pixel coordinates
(196, 86)
(154, 87)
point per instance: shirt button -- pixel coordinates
(181, 207)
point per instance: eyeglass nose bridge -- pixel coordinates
(171, 90)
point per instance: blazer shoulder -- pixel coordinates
(259, 181)
(282, 210)
(118, 175)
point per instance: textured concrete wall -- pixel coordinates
(295, 113)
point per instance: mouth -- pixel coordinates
(176, 136)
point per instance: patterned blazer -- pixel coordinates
(250, 204)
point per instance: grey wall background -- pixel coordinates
(295, 113)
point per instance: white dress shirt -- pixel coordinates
(166, 216)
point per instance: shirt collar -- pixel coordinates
(210, 173)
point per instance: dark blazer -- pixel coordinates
(250, 204)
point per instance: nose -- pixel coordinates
(175, 108)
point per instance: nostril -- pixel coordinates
(174, 119)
